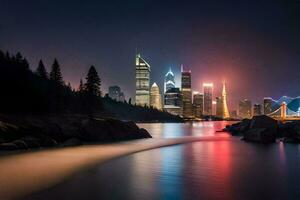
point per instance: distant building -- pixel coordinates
(186, 91)
(172, 101)
(268, 105)
(142, 74)
(219, 107)
(208, 95)
(169, 81)
(245, 108)
(257, 109)
(225, 111)
(115, 93)
(155, 97)
(233, 114)
(198, 104)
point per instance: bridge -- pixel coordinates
(284, 113)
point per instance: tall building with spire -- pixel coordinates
(186, 91)
(169, 81)
(225, 111)
(155, 97)
(142, 76)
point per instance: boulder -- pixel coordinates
(263, 129)
(259, 135)
(8, 146)
(290, 131)
(238, 128)
(72, 142)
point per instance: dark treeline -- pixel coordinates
(42, 92)
(24, 91)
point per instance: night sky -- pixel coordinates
(253, 45)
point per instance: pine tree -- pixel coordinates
(41, 70)
(93, 82)
(55, 74)
(81, 87)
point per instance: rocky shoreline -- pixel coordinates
(263, 129)
(28, 132)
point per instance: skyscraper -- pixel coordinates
(186, 91)
(219, 107)
(198, 104)
(268, 105)
(142, 75)
(225, 111)
(155, 97)
(172, 101)
(245, 109)
(115, 93)
(257, 109)
(169, 81)
(208, 94)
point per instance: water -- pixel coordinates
(220, 169)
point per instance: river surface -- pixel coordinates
(220, 168)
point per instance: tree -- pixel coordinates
(93, 82)
(129, 101)
(41, 70)
(55, 74)
(81, 87)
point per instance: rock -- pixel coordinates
(290, 132)
(263, 129)
(259, 135)
(238, 128)
(8, 146)
(32, 142)
(20, 144)
(72, 142)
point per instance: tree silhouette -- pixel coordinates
(55, 74)
(93, 82)
(129, 101)
(41, 70)
(81, 87)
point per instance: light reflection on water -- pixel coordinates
(221, 169)
(172, 130)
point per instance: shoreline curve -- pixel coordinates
(27, 173)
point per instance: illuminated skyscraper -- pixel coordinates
(225, 111)
(208, 94)
(257, 110)
(268, 101)
(245, 109)
(172, 103)
(219, 107)
(155, 97)
(169, 81)
(142, 75)
(186, 91)
(198, 104)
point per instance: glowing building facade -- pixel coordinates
(169, 81)
(142, 75)
(225, 111)
(186, 92)
(257, 108)
(208, 95)
(172, 101)
(155, 97)
(219, 107)
(268, 102)
(245, 109)
(198, 104)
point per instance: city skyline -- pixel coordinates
(240, 42)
